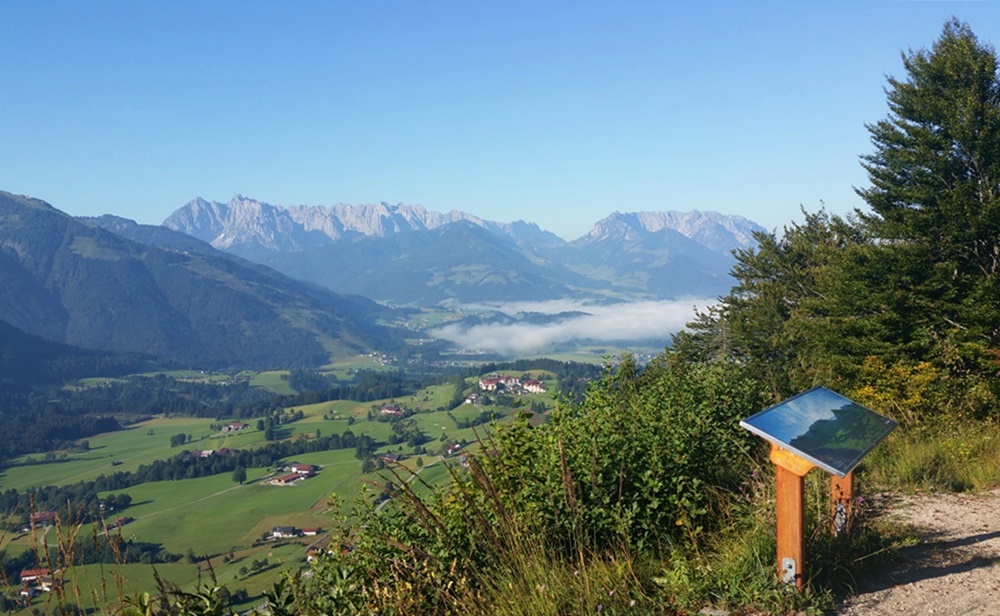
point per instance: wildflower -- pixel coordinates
(600, 608)
(631, 603)
(611, 594)
(576, 573)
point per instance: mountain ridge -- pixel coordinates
(361, 248)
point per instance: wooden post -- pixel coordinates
(789, 471)
(841, 499)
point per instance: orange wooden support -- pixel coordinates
(789, 470)
(841, 500)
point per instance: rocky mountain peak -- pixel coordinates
(718, 232)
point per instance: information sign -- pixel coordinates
(825, 428)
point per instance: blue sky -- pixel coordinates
(554, 112)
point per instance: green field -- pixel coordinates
(138, 444)
(273, 382)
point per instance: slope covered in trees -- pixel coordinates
(912, 283)
(78, 284)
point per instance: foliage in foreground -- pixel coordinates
(645, 498)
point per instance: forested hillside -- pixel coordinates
(74, 283)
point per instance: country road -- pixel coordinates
(953, 570)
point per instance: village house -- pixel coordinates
(533, 386)
(489, 384)
(452, 449)
(287, 479)
(310, 532)
(312, 554)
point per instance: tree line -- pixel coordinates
(899, 303)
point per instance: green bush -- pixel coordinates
(644, 466)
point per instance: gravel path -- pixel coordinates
(955, 569)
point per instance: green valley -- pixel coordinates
(205, 523)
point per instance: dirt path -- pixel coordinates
(955, 569)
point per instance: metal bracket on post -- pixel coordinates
(788, 571)
(839, 520)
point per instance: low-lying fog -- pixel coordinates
(634, 321)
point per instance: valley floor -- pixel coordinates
(954, 569)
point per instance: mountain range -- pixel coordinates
(407, 255)
(248, 284)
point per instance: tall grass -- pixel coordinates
(958, 455)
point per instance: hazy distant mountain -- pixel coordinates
(643, 253)
(718, 232)
(408, 255)
(79, 284)
(458, 261)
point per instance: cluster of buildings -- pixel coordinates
(512, 384)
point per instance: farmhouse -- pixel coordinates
(307, 470)
(34, 581)
(235, 426)
(34, 575)
(310, 532)
(43, 518)
(284, 532)
(391, 410)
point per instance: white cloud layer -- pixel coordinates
(605, 323)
